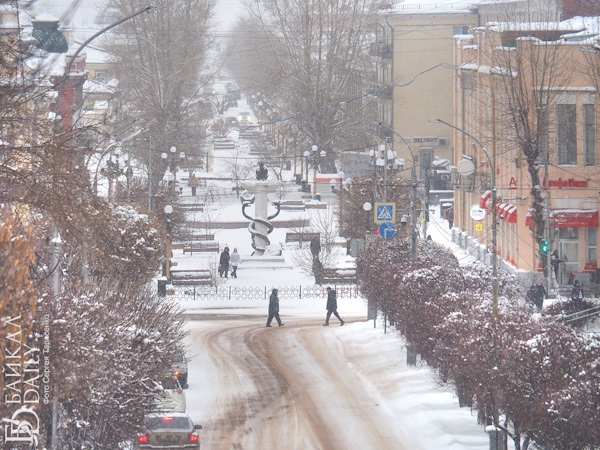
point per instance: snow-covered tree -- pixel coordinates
(111, 352)
(316, 59)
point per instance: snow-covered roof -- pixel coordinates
(97, 87)
(435, 7)
(95, 55)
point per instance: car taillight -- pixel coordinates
(193, 437)
(143, 439)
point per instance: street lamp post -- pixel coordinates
(413, 179)
(172, 165)
(90, 39)
(112, 168)
(314, 154)
(494, 215)
(168, 210)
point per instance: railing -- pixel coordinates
(585, 314)
(238, 293)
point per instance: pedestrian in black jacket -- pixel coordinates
(274, 308)
(540, 294)
(530, 297)
(577, 291)
(224, 262)
(332, 307)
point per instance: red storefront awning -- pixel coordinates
(570, 218)
(574, 218)
(487, 195)
(510, 214)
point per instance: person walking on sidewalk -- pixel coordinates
(274, 308)
(332, 307)
(577, 291)
(193, 182)
(234, 260)
(540, 294)
(224, 262)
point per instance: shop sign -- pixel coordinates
(569, 183)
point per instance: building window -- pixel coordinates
(467, 82)
(100, 77)
(592, 248)
(460, 29)
(589, 120)
(566, 132)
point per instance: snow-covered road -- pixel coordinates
(305, 386)
(292, 387)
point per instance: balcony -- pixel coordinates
(381, 50)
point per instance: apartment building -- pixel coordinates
(415, 72)
(549, 64)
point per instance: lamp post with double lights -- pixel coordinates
(468, 171)
(172, 166)
(413, 181)
(112, 168)
(314, 153)
(168, 211)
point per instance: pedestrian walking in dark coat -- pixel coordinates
(540, 294)
(274, 308)
(224, 262)
(555, 261)
(577, 291)
(450, 217)
(530, 297)
(332, 307)
(193, 183)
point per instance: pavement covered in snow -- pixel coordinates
(304, 385)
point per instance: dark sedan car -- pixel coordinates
(169, 431)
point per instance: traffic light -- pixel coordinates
(544, 246)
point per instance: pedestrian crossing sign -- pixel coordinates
(385, 212)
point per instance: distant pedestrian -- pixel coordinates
(224, 262)
(234, 260)
(571, 279)
(274, 309)
(530, 297)
(555, 261)
(193, 183)
(577, 291)
(540, 294)
(332, 307)
(450, 217)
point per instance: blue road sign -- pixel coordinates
(387, 230)
(385, 212)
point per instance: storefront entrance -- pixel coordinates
(569, 252)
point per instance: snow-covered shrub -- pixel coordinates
(109, 350)
(128, 245)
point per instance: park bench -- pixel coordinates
(201, 247)
(301, 236)
(339, 275)
(191, 277)
(200, 237)
(192, 207)
(291, 205)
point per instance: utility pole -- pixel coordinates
(494, 215)
(547, 232)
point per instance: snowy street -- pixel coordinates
(305, 386)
